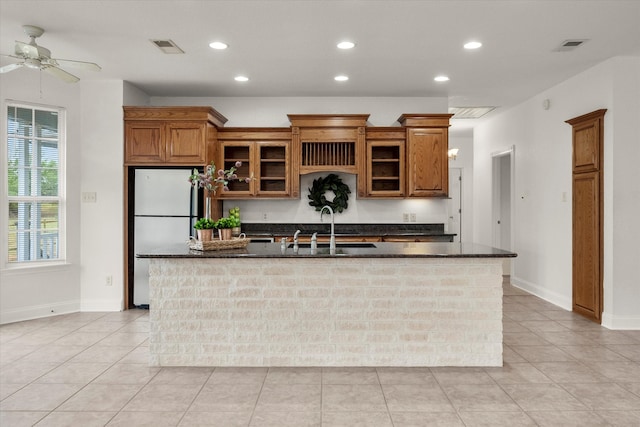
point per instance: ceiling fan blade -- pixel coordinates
(78, 64)
(26, 50)
(11, 67)
(61, 74)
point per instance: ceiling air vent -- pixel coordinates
(167, 46)
(569, 45)
(469, 112)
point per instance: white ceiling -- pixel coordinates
(288, 47)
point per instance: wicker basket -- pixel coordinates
(218, 245)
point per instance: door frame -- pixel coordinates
(496, 177)
(460, 207)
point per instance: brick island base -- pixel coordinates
(326, 312)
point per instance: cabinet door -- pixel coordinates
(143, 142)
(586, 245)
(272, 169)
(428, 168)
(185, 142)
(238, 151)
(385, 169)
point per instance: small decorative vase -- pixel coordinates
(235, 231)
(205, 235)
(225, 233)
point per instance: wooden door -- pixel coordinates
(185, 142)
(143, 142)
(587, 286)
(427, 162)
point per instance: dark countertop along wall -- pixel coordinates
(344, 229)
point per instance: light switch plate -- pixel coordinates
(89, 197)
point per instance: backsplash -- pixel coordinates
(426, 211)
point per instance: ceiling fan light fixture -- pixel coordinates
(33, 63)
(218, 45)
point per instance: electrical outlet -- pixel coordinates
(405, 217)
(265, 216)
(108, 281)
(89, 197)
(412, 217)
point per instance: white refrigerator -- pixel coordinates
(166, 207)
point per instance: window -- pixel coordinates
(34, 173)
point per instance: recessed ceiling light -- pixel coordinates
(218, 45)
(441, 78)
(346, 45)
(341, 78)
(241, 78)
(472, 45)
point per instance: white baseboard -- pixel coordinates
(547, 295)
(102, 305)
(611, 321)
(38, 311)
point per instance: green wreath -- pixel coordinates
(322, 185)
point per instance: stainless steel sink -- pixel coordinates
(338, 245)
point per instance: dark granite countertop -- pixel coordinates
(344, 229)
(375, 250)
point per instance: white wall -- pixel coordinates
(622, 179)
(255, 112)
(102, 173)
(28, 293)
(542, 227)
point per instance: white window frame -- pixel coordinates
(61, 198)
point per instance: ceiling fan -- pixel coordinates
(39, 58)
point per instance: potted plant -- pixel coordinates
(224, 226)
(235, 213)
(204, 229)
(211, 180)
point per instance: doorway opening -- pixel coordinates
(503, 196)
(454, 204)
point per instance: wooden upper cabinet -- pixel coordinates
(586, 136)
(266, 158)
(186, 142)
(427, 161)
(143, 142)
(169, 135)
(385, 164)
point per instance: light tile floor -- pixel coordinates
(90, 369)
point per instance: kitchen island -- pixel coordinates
(382, 304)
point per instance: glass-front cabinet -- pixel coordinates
(265, 158)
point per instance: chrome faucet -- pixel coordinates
(332, 241)
(295, 241)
